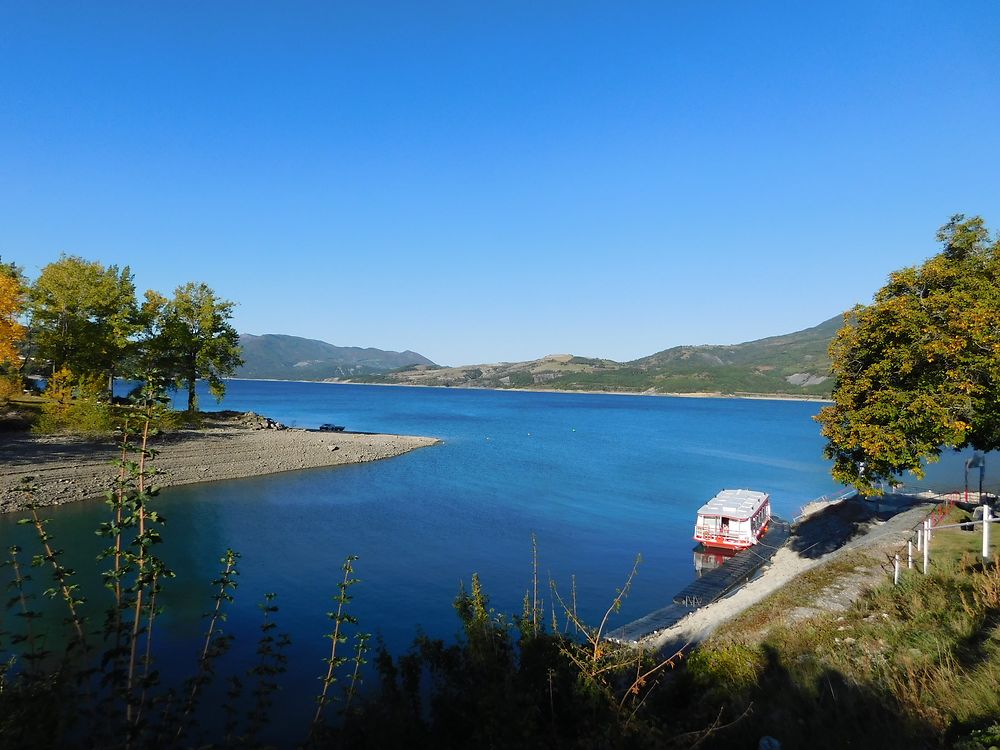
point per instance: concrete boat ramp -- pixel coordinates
(710, 587)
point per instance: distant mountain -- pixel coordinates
(279, 357)
(794, 364)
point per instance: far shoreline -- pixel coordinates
(699, 394)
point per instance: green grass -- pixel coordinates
(948, 545)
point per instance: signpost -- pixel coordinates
(978, 461)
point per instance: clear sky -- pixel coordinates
(483, 181)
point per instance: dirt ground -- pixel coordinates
(68, 469)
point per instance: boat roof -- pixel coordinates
(736, 504)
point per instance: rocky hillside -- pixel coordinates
(793, 364)
(280, 357)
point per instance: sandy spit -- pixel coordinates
(68, 469)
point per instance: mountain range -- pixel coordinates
(279, 357)
(793, 364)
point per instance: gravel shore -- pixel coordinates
(67, 469)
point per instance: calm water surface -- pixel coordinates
(598, 479)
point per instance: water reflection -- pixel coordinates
(707, 559)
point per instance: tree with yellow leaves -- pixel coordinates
(918, 370)
(11, 302)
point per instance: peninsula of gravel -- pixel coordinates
(226, 445)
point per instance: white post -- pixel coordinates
(987, 514)
(920, 539)
(909, 554)
(895, 571)
(927, 546)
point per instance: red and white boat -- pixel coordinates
(733, 519)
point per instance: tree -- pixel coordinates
(918, 370)
(193, 338)
(83, 316)
(11, 303)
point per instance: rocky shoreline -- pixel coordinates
(226, 446)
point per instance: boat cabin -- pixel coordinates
(733, 519)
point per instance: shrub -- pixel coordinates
(10, 386)
(75, 404)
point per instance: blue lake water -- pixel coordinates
(598, 479)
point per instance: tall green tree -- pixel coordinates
(918, 370)
(193, 338)
(83, 316)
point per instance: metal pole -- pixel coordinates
(967, 480)
(895, 571)
(909, 555)
(986, 531)
(927, 545)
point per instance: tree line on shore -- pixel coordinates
(80, 325)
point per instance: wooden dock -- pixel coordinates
(712, 586)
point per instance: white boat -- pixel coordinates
(733, 519)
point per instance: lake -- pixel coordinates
(598, 479)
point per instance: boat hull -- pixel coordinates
(721, 543)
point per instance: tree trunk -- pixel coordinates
(192, 378)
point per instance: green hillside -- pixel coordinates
(794, 364)
(280, 357)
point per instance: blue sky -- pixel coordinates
(484, 181)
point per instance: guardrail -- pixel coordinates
(710, 534)
(931, 525)
(833, 497)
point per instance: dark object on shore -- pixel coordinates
(331, 427)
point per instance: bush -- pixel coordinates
(75, 404)
(10, 386)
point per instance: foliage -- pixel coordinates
(981, 739)
(75, 404)
(83, 316)
(340, 618)
(10, 386)
(919, 368)
(11, 303)
(193, 338)
(513, 682)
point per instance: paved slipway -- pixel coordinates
(227, 446)
(829, 531)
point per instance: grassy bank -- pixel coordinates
(913, 665)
